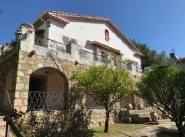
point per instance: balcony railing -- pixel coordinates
(45, 100)
(91, 56)
(50, 43)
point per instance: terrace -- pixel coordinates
(84, 56)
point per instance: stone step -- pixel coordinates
(144, 115)
(138, 119)
(161, 121)
(138, 112)
(126, 113)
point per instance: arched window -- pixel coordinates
(107, 35)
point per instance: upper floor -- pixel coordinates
(78, 38)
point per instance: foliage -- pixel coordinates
(106, 85)
(164, 87)
(55, 124)
(65, 123)
(151, 57)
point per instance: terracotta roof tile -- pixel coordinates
(104, 46)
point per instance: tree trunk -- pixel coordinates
(106, 130)
(180, 129)
(181, 132)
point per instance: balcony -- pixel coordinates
(52, 44)
(91, 56)
(38, 100)
(75, 52)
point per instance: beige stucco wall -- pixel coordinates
(55, 83)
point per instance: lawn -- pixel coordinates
(118, 129)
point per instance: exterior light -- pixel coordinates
(18, 34)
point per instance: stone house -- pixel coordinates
(30, 79)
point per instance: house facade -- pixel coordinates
(35, 69)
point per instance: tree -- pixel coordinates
(106, 85)
(150, 57)
(164, 88)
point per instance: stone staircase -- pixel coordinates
(135, 116)
(2, 126)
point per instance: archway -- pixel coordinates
(48, 88)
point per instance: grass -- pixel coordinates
(118, 129)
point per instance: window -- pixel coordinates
(107, 35)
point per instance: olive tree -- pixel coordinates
(164, 88)
(106, 85)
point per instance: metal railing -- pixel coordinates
(45, 100)
(92, 56)
(45, 42)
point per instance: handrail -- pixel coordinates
(13, 127)
(45, 42)
(89, 55)
(9, 114)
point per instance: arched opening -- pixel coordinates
(48, 88)
(107, 37)
(8, 88)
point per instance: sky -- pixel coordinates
(158, 23)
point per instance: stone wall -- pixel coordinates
(98, 118)
(8, 61)
(27, 65)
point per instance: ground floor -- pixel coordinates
(39, 83)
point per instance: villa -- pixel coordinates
(35, 69)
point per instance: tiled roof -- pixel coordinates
(138, 53)
(61, 16)
(180, 60)
(48, 15)
(104, 46)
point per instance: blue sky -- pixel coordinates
(159, 23)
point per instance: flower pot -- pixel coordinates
(140, 107)
(129, 106)
(154, 116)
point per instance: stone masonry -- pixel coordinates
(23, 65)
